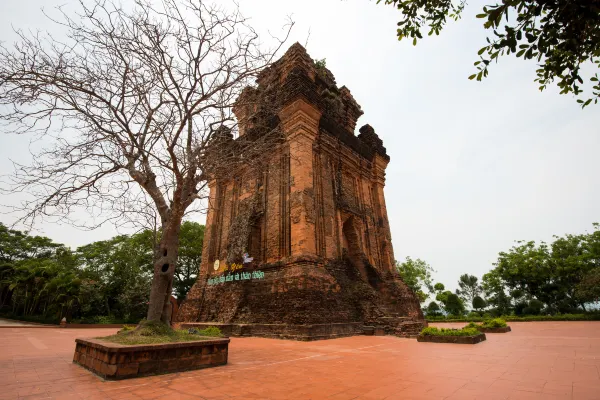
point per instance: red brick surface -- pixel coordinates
(537, 360)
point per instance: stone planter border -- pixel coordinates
(114, 361)
(452, 339)
(494, 330)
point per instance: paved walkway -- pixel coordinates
(540, 360)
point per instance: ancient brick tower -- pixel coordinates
(314, 221)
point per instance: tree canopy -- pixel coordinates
(104, 281)
(468, 287)
(417, 276)
(561, 36)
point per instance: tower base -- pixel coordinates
(306, 299)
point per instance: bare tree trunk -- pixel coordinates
(164, 269)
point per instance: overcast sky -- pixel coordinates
(474, 165)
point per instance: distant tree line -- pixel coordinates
(528, 279)
(103, 282)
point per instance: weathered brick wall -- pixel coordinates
(322, 200)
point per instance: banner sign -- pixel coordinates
(235, 273)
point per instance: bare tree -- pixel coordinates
(138, 105)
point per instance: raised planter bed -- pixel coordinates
(452, 339)
(114, 361)
(494, 330)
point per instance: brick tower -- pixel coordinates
(314, 221)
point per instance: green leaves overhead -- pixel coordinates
(560, 36)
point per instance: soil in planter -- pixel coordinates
(158, 332)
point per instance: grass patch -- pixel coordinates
(432, 331)
(158, 332)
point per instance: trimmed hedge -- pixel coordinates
(494, 323)
(432, 331)
(490, 323)
(515, 318)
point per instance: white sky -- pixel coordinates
(474, 165)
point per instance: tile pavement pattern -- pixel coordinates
(539, 360)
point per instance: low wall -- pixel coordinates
(494, 330)
(452, 339)
(284, 331)
(114, 361)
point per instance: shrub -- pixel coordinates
(432, 331)
(520, 308)
(534, 307)
(472, 325)
(494, 323)
(558, 317)
(433, 309)
(473, 314)
(210, 331)
(127, 328)
(453, 304)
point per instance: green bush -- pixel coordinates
(534, 307)
(524, 318)
(494, 323)
(433, 331)
(210, 331)
(128, 328)
(472, 325)
(103, 319)
(40, 319)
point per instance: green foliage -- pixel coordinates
(433, 309)
(478, 303)
(37, 276)
(439, 287)
(104, 282)
(588, 290)
(149, 332)
(516, 318)
(534, 307)
(451, 302)
(322, 63)
(560, 36)
(417, 276)
(544, 277)
(127, 328)
(494, 290)
(191, 241)
(468, 287)
(210, 331)
(494, 323)
(433, 331)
